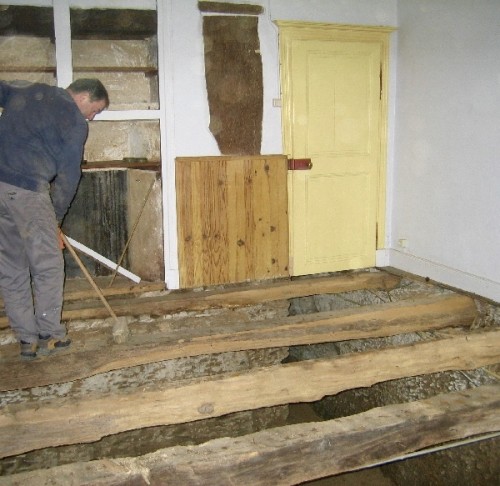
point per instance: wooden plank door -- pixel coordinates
(333, 114)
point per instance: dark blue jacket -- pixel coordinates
(42, 135)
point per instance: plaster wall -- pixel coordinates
(445, 199)
(190, 108)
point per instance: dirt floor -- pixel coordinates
(366, 477)
(303, 412)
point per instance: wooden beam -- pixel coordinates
(379, 320)
(229, 8)
(296, 453)
(178, 301)
(125, 290)
(28, 427)
(80, 289)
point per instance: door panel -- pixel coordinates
(338, 103)
(332, 115)
(349, 245)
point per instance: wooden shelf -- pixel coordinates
(28, 69)
(120, 164)
(80, 69)
(117, 69)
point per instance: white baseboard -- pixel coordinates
(451, 277)
(382, 258)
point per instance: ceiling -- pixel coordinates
(85, 23)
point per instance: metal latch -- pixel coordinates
(299, 164)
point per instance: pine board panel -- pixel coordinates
(232, 219)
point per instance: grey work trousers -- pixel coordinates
(31, 264)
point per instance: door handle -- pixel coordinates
(299, 164)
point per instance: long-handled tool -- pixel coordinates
(120, 329)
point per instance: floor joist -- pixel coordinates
(177, 301)
(295, 453)
(29, 427)
(379, 320)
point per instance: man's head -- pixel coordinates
(90, 95)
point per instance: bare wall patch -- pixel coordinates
(233, 71)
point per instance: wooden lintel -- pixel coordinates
(379, 320)
(296, 453)
(178, 301)
(29, 427)
(229, 8)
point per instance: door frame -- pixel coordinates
(296, 30)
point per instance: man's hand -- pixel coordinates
(61, 241)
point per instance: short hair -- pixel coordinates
(93, 87)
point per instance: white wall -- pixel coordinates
(446, 181)
(191, 116)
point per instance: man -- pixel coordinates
(43, 130)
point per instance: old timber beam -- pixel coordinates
(295, 453)
(178, 301)
(379, 320)
(24, 427)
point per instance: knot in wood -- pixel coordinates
(206, 408)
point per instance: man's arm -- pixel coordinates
(4, 92)
(65, 184)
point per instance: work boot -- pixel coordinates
(49, 345)
(28, 350)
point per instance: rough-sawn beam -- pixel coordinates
(178, 301)
(379, 320)
(24, 427)
(295, 453)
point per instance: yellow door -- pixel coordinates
(333, 114)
